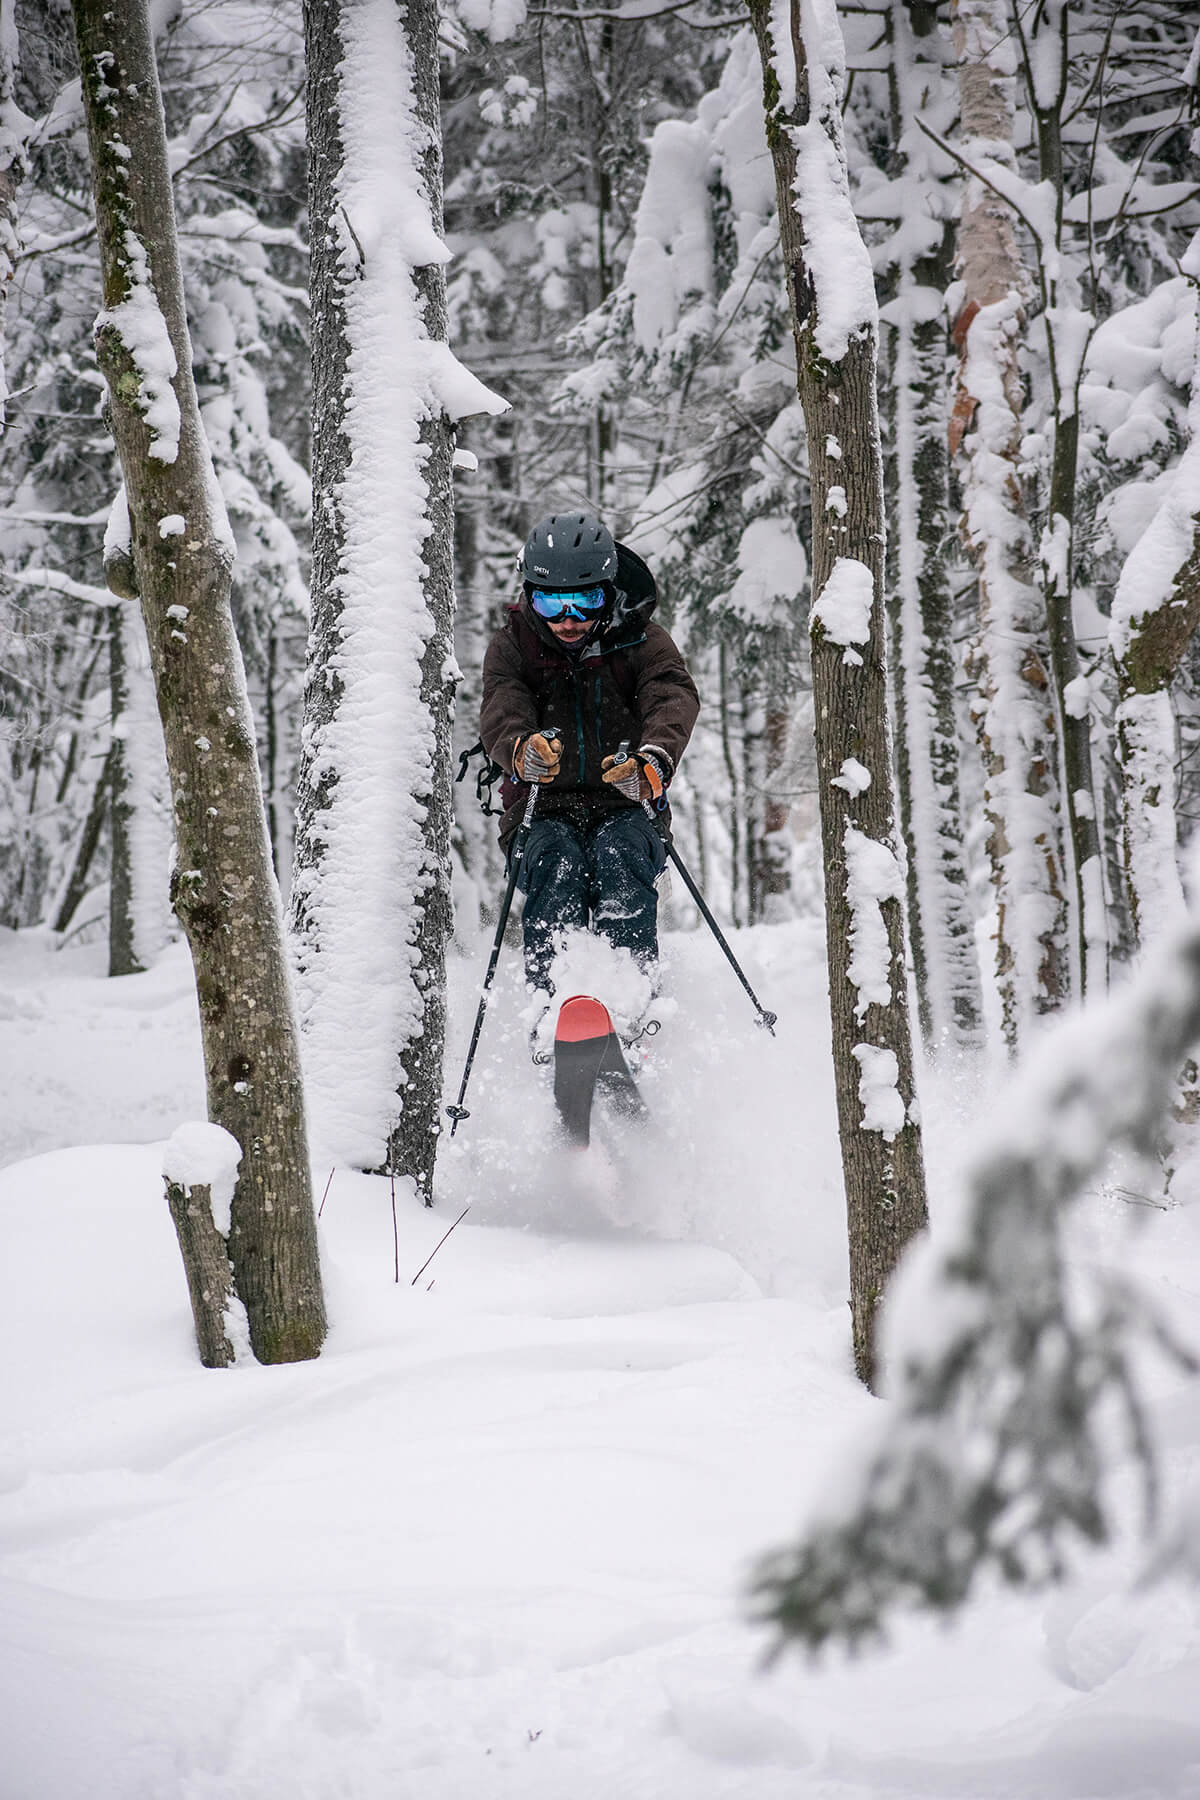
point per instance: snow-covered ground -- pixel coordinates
(495, 1541)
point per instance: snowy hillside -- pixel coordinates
(494, 1543)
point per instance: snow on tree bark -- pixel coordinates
(181, 553)
(139, 882)
(832, 297)
(1155, 612)
(140, 829)
(200, 1164)
(371, 889)
(1014, 708)
(941, 924)
(13, 129)
(1045, 45)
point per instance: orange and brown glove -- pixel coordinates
(537, 758)
(637, 774)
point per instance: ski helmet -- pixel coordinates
(569, 550)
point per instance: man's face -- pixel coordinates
(570, 631)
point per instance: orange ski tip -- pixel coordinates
(582, 1017)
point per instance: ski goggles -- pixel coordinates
(574, 603)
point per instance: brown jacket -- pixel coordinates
(629, 685)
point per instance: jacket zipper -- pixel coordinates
(579, 738)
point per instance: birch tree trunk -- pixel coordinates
(831, 292)
(181, 554)
(941, 925)
(371, 889)
(1013, 709)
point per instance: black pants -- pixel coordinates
(602, 874)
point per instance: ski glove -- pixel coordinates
(536, 758)
(638, 776)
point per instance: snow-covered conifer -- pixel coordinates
(1015, 1384)
(693, 346)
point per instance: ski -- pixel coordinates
(588, 1058)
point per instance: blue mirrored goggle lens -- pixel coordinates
(578, 602)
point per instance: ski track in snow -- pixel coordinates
(494, 1542)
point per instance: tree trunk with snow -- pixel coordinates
(13, 128)
(739, 876)
(123, 956)
(1045, 40)
(479, 861)
(181, 555)
(140, 834)
(772, 876)
(1155, 612)
(1013, 711)
(831, 292)
(371, 888)
(941, 925)
(209, 1274)
(75, 886)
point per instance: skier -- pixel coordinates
(580, 655)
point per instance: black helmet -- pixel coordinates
(569, 550)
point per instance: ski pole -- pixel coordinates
(765, 1018)
(768, 1019)
(457, 1112)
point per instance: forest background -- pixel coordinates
(616, 276)
(1023, 181)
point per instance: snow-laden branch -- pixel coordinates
(636, 14)
(54, 581)
(1006, 1369)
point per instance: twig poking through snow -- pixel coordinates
(325, 1195)
(462, 1215)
